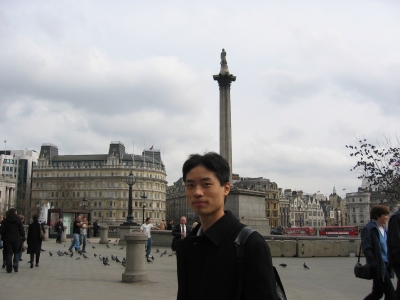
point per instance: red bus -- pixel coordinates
(300, 231)
(346, 231)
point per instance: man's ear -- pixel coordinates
(227, 188)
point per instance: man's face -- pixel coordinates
(183, 220)
(204, 192)
(148, 221)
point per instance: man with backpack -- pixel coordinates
(206, 258)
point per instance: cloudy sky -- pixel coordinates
(312, 76)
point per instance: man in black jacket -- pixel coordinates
(393, 242)
(13, 232)
(206, 259)
(180, 231)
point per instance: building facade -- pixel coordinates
(63, 181)
(272, 209)
(177, 205)
(16, 171)
(358, 207)
(305, 210)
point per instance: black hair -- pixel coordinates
(377, 211)
(35, 217)
(147, 219)
(11, 212)
(211, 161)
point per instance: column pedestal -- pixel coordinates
(103, 235)
(135, 258)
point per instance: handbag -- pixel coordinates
(41, 233)
(239, 245)
(362, 271)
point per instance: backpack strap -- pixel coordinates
(240, 241)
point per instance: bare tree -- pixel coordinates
(379, 165)
(64, 192)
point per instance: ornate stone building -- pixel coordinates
(305, 209)
(177, 205)
(358, 207)
(64, 180)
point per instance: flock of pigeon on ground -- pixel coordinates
(105, 259)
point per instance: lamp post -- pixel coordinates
(130, 180)
(144, 197)
(84, 201)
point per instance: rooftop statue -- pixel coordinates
(224, 63)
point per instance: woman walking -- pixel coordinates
(373, 239)
(34, 240)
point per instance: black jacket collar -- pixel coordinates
(217, 232)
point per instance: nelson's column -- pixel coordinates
(224, 79)
(246, 205)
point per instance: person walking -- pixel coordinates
(34, 241)
(146, 229)
(59, 229)
(76, 231)
(394, 247)
(96, 228)
(373, 242)
(179, 232)
(14, 233)
(22, 242)
(83, 234)
(3, 241)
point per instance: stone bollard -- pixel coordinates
(135, 260)
(103, 235)
(46, 232)
(64, 235)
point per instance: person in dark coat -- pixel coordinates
(34, 240)
(393, 242)
(206, 259)
(59, 229)
(4, 243)
(180, 231)
(96, 228)
(14, 233)
(374, 245)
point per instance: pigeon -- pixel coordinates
(66, 253)
(51, 254)
(112, 257)
(77, 258)
(121, 248)
(105, 262)
(171, 254)
(117, 260)
(116, 240)
(64, 245)
(305, 266)
(124, 263)
(95, 255)
(283, 265)
(161, 255)
(93, 247)
(42, 250)
(100, 257)
(85, 257)
(149, 261)
(108, 246)
(158, 250)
